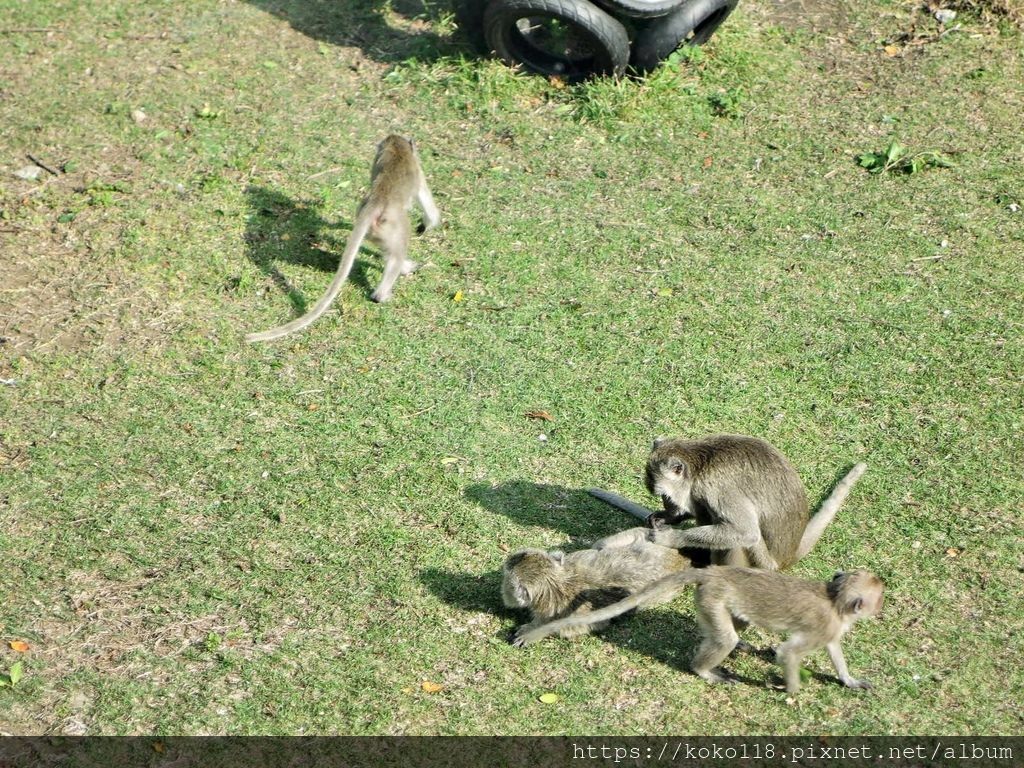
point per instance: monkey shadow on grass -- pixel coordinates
(572, 510)
(667, 635)
(283, 230)
(390, 31)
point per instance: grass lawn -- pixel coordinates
(200, 536)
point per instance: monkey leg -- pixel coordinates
(789, 655)
(393, 235)
(719, 638)
(622, 539)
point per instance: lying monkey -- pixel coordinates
(553, 585)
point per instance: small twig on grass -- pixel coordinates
(42, 165)
(321, 173)
(929, 258)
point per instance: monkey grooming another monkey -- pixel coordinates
(814, 614)
(749, 502)
(396, 180)
(552, 585)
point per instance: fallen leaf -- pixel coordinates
(19, 646)
(539, 415)
(458, 296)
(430, 687)
(312, 407)
(548, 698)
(892, 50)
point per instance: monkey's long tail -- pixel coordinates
(621, 503)
(660, 590)
(363, 221)
(817, 524)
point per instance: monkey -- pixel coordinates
(553, 584)
(748, 500)
(396, 180)
(814, 614)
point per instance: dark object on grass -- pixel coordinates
(640, 9)
(469, 15)
(570, 39)
(693, 24)
(575, 39)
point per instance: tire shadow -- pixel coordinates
(364, 24)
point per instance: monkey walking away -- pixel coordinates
(552, 585)
(814, 614)
(749, 502)
(396, 181)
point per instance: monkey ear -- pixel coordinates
(557, 556)
(677, 466)
(856, 604)
(658, 442)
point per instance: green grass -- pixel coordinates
(202, 536)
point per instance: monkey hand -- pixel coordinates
(665, 536)
(523, 637)
(655, 521)
(861, 684)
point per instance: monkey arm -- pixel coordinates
(737, 532)
(835, 653)
(431, 216)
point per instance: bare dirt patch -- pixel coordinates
(823, 16)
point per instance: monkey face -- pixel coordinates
(670, 478)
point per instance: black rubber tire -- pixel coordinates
(640, 9)
(661, 36)
(469, 15)
(605, 38)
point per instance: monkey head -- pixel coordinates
(527, 575)
(857, 595)
(670, 477)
